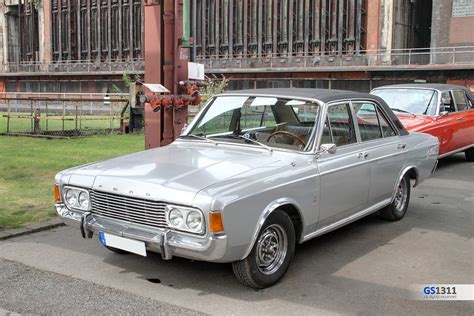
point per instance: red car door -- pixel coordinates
(466, 116)
(448, 127)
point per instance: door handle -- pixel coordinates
(460, 118)
(363, 155)
(402, 146)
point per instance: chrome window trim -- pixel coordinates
(310, 147)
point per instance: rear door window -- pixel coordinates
(461, 100)
(371, 122)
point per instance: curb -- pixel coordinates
(34, 228)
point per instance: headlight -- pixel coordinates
(76, 198)
(194, 221)
(185, 219)
(176, 217)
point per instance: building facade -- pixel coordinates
(70, 45)
(87, 45)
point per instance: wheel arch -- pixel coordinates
(291, 208)
(413, 174)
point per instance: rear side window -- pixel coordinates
(340, 125)
(371, 122)
(461, 100)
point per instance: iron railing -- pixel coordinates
(440, 56)
(62, 114)
(87, 66)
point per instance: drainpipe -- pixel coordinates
(186, 24)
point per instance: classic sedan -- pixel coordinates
(254, 174)
(443, 110)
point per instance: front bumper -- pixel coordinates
(167, 242)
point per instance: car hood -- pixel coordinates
(413, 122)
(174, 173)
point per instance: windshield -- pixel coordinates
(415, 101)
(260, 121)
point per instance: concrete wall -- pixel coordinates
(452, 23)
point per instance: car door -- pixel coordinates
(449, 124)
(384, 146)
(465, 115)
(344, 175)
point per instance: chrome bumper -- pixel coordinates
(167, 242)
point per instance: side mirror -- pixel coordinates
(328, 148)
(443, 113)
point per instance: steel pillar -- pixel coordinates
(153, 68)
(165, 63)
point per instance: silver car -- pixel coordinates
(255, 173)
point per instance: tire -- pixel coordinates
(469, 154)
(398, 208)
(117, 251)
(266, 265)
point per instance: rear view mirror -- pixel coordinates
(328, 148)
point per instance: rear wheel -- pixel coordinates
(271, 254)
(398, 208)
(469, 154)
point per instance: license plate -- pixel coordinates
(122, 243)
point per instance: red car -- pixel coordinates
(443, 110)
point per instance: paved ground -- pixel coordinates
(364, 268)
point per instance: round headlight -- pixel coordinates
(194, 221)
(83, 200)
(71, 197)
(175, 217)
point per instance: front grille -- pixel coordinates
(133, 210)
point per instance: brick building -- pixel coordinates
(86, 45)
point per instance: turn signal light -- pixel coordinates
(215, 223)
(57, 197)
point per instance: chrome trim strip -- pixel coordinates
(455, 151)
(347, 220)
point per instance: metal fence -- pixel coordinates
(62, 115)
(373, 59)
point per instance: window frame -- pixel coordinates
(380, 112)
(351, 117)
(466, 99)
(311, 146)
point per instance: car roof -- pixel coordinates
(436, 86)
(323, 95)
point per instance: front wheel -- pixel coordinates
(469, 154)
(271, 254)
(398, 208)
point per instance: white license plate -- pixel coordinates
(122, 243)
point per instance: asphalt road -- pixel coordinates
(364, 268)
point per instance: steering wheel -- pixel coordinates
(287, 133)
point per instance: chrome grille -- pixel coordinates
(133, 210)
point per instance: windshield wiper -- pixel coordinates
(200, 137)
(247, 139)
(400, 110)
(256, 142)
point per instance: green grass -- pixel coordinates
(28, 166)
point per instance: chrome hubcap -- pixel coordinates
(401, 196)
(272, 246)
